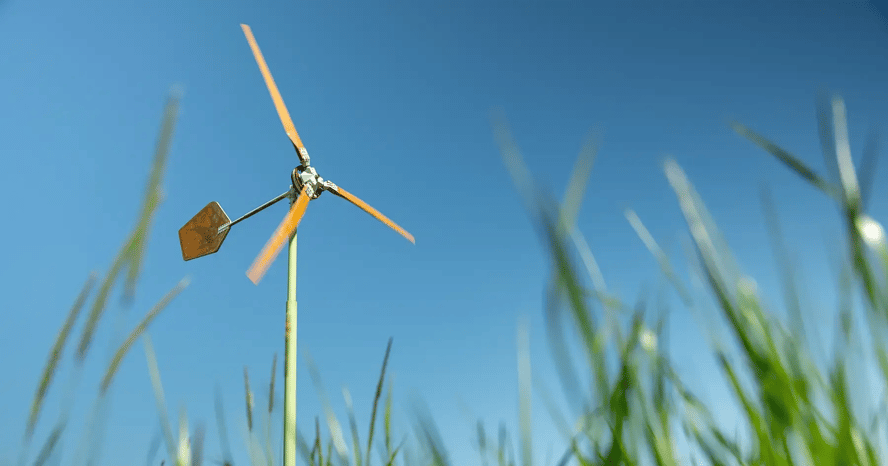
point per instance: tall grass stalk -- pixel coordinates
(129, 257)
(636, 402)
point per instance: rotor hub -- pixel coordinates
(308, 177)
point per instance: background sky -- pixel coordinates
(393, 104)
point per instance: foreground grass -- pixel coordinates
(794, 413)
(129, 261)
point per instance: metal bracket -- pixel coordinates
(303, 156)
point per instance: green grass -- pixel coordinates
(637, 411)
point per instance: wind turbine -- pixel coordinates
(206, 231)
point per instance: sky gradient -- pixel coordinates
(393, 103)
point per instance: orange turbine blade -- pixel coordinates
(273, 90)
(370, 210)
(276, 242)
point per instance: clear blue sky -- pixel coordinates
(393, 104)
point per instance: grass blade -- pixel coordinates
(553, 234)
(482, 442)
(387, 424)
(781, 253)
(788, 159)
(579, 179)
(133, 247)
(427, 432)
(222, 429)
(152, 193)
(356, 443)
(197, 445)
(332, 423)
(138, 331)
(159, 398)
(271, 384)
(153, 447)
(55, 354)
(269, 453)
(524, 392)
(248, 397)
(867, 169)
(847, 174)
(183, 453)
(376, 396)
(827, 138)
(658, 253)
(100, 302)
(49, 446)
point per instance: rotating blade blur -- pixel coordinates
(274, 245)
(276, 97)
(370, 210)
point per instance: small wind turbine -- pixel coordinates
(206, 231)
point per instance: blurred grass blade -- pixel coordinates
(159, 398)
(134, 242)
(332, 423)
(138, 331)
(427, 433)
(788, 159)
(583, 319)
(835, 143)
(387, 424)
(826, 135)
(222, 428)
(248, 397)
(582, 247)
(867, 169)
(482, 441)
(271, 384)
(781, 253)
(100, 302)
(524, 392)
(317, 445)
(520, 174)
(557, 345)
(302, 446)
(703, 237)
(555, 414)
(49, 446)
(152, 193)
(183, 452)
(353, 425)
(847, 175)
(376, 396)
(197, 445)
(153, 447)
(394, 453)
(269, 453)
(579, 179)
(94, 432)
(658, 253)
(55, 353)
(554, 237)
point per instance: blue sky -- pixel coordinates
(393, 104)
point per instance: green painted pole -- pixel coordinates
(290, 359)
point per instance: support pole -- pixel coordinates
(290, 359)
